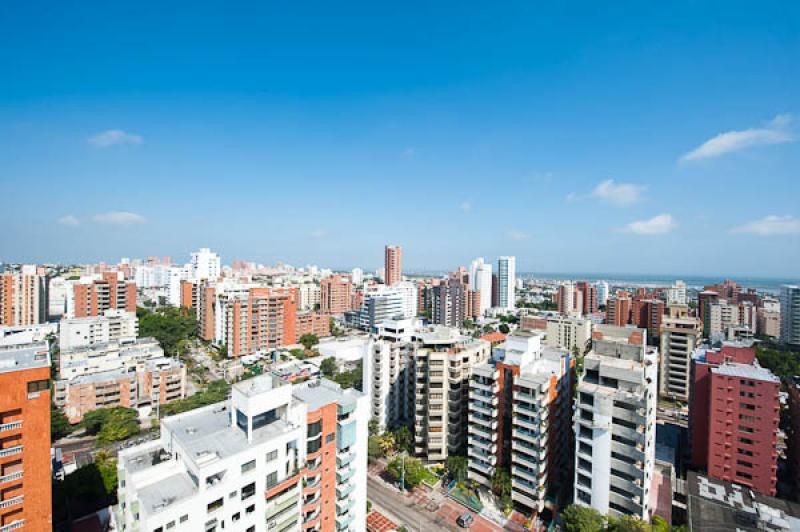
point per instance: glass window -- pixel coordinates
(249, 466)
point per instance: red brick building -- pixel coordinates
(334, 294)
(109, 292)
(734, 419)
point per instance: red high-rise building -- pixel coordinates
(618, 309)
(334, 294)
(734, 419)
(109, 292)
(647, 313)
(589, 296)
(393, 265)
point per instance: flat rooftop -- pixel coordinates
(21, 357)
(159, 495)
(318, 393)
(745, 371)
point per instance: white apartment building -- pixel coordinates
(679, 338)
(730, 321)
(615, 423)
(520, 408)
(205, 265)
(443, 362)
(120, 354)
(480, 278)
(569, 333)
(275, 457)
(506, 282)
(357, 275)
(308, 296)
(676, 295)
(383, 302)
(110, 326)
(56, 297)
(790, 314)
(602, 292)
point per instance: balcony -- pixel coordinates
(344, 459)
(344, 506)
(11, 451)
(11, 477)
(11, 502)
(14, 525)
(344, 522)
(343, 490)
(14, 425)
(343, 475)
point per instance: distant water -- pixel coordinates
(692, 281)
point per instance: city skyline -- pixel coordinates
(160, 140)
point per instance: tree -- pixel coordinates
(59, 424)
(457, 467)
(504, 328)
(501, 482)
(628, 523)
(468, 324)
(373, 427)
(215, 392)
(168, 325)
(120, 424)
(579, 518)
(328, 367)
(374, 448)
(387, 442)
(659, 524)
(308, 341)
(403, 438)
(414, 473)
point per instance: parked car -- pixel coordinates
(465, 520)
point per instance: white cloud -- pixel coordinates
(69, 220)
(465, 206)
(618, 194)
(657, 225)
(319, 233)
(113, 137)
(119, 218)
(775, 132)
(518, 235)
(771, 225)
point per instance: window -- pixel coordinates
(747, 441)
(272, 479)
(214, 506)
(232, 495)
(744, 417)
(235, 517)
(330, 437)
(314, 429)
(171, 524)
(252, 529)
(249, 466)
(249, 490)
(38, 386)
(272, 456)
(743, 463)
(184, 518)
(250, 509)
(159, 529)
(314, 446)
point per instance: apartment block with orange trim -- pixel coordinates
(94, 297)
(25, 472)
(275, 456)
(23, 297)
(520, 420)
(335, 294)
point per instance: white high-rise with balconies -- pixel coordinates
(506, 282)
(205, 265)
(790, 314)
(480, 278)
(615, 423)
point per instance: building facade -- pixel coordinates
(680, 336)
(110, 326)
(393, 265)
(23, 297)
(335, 294)
(790, 314)
(506, 282)
(110, 292)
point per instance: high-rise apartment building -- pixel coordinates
(568, 300)
(385, 303)
(588, 296)
(520, 407)
(275, 456)
(615, 423)
(450, 302)
(443, 362)
(571, 333)
(676, 295)
(23, 297)
(790, 314)
(618, 309)
(602, 293)
(259, 319)
(25, 479)
(110, 292)
(506, 282)
(335, 294)
(680, 336)
(205, 265)
(393, 265)
(647, 313)
(734, 414)
(480, 278)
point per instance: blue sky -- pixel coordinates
(633, 137)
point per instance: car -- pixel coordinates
(465, 520)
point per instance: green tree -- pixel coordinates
(352, 378)
(328, 367)
(120, 424)
(374, 449)
(414, 471)
(457, 467)
(59, 424)
(579, 518)
(468, 324)
(215, 392)
(628, 523)
(505, 329)
(168, 325)
(403, 438)
(659, 524)
(373, 427)
(308, 341)
(501, 482)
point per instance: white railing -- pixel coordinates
(16, 525)
(11, 451)
(11, 502)
(14, 425)
(11, 476)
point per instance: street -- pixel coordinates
(402, 509)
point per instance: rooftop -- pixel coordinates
(318, 393)
(746, 371)
(30, 356)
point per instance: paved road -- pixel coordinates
(401, 509)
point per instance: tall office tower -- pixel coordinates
(680, 336)
(677, 294)
(388, 368)
(520, 408)
(393, 265)
(205, 264)
(449, 303)
(23, 297)
(615, 423)
(602, 293)
(734, 415)
(790, 314)
(647, 313)
(588, 296)
(110, 292)
(443, 363)
(260, 319)
(334, 297)
(506, 282)
(111, 326)
(275, 456)
(357, 275)
(571, 333)
(618, 309)
(25, 498)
